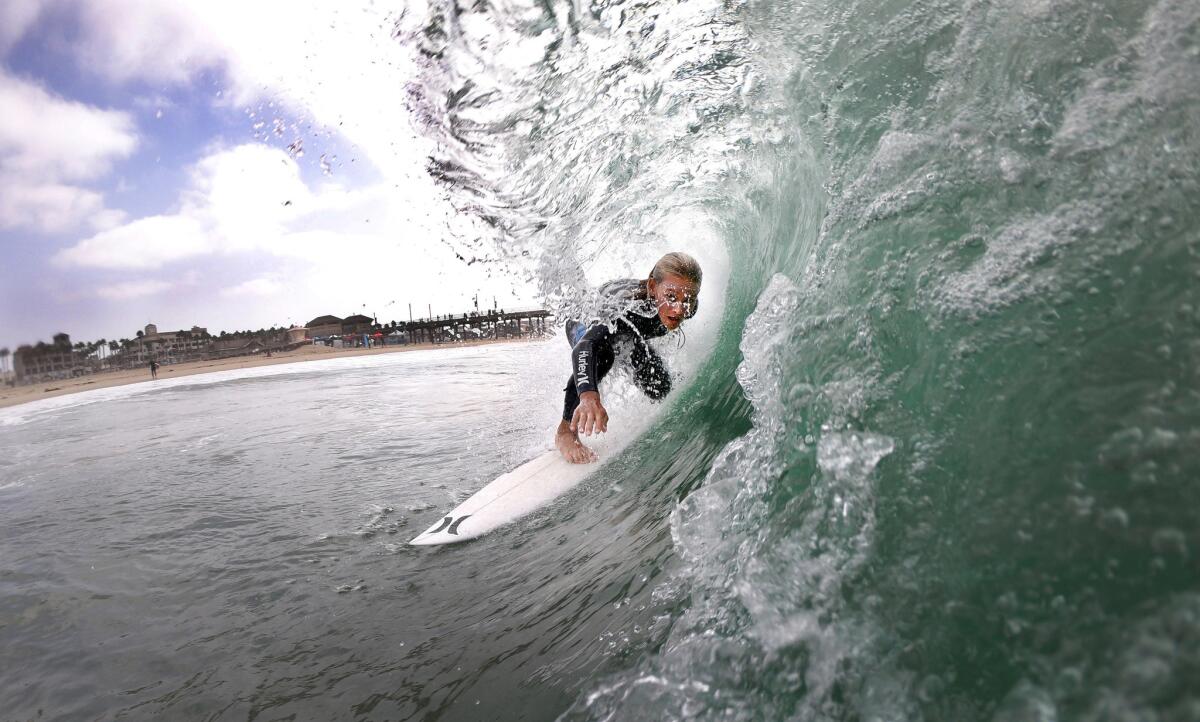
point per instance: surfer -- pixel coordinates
(632, 311)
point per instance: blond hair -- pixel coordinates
(678, 264)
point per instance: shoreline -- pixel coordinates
(17, 395)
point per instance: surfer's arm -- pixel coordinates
(590, 358)
(585, 356)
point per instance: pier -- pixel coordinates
(472, 326)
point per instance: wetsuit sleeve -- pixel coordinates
(585, 358)
(570, 400)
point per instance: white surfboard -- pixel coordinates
(508, 498)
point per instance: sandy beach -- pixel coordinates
(11, 396)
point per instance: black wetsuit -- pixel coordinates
(594, 348)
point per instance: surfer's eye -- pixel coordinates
(672, 297)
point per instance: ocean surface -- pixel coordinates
(934, 451)
(232, 546)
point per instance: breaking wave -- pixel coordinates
(937, 458)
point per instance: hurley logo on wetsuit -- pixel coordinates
(581, 375)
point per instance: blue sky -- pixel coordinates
(145, 173)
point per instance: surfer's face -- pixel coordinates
(675, 297)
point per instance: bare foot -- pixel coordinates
(570, 447)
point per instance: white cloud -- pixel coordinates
(149, 39)
(16, 17)
(143, 244)
(132, 289)
(265, 286)
(238, 200)
(47, 207)
(47, 135)
(251, 198)
(48, 145)
(245, 194)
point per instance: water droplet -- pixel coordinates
(1169, 541)
(1114, 519)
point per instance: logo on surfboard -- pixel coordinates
(449, 525)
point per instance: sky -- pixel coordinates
(230, 165)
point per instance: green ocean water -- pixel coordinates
(946, 447)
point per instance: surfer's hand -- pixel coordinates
(589, 417)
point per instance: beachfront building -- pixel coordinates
(323, 326)
(169, 346)
(357, 325)
(352, 325)
(296, 335)
(47, 361)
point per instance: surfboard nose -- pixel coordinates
(445, 531)
(506, 499)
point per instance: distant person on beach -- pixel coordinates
(153, 369)
(632, 311)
